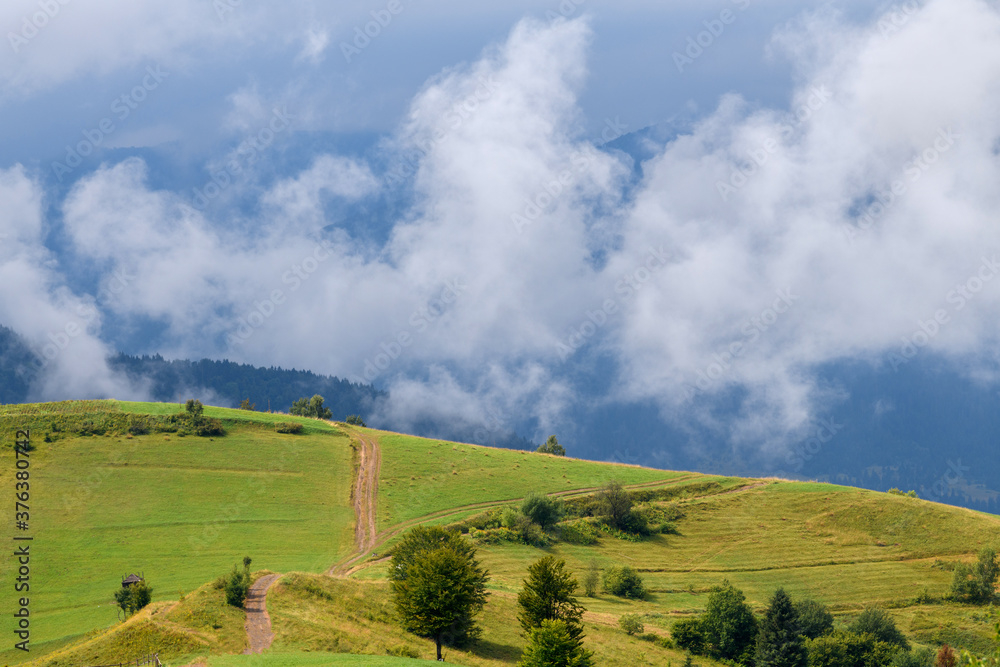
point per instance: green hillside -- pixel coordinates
(183, 510)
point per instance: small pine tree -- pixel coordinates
(245, 404)
(779, 640)
(552, 645)
(548, 594)
(238, 584)
(355, 420)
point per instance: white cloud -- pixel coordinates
(521, 230)
(62, 328)
(316, 39)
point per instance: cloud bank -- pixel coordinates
(759, 244)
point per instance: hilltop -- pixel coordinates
(321, 508)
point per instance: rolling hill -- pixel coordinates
(323, 507)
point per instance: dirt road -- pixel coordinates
(259, 635)
(365, 495)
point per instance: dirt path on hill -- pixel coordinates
(350, 566)
(365, 496)
(259, 635)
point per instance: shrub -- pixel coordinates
(194, 407)
(977, 583)
(355, 420)
(946, 657)
(668, 528)
(139, 425)
(578, 532)
(209, 426)
(877, 623)
(631, 624)
(509, 517)
(541, 509)
(815, 619)
(624, 581)
(402, 652)
(849, 649)
(635, 522)
(591, 579)
(689, 635)
(288, 427)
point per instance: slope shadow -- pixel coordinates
(484, 648)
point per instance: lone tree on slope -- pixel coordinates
(552, 446)
(311, 407)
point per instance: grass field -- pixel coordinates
(181, 510)
(422, 476)
(185, 509)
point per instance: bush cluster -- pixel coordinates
(624, 581)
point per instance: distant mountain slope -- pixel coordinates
(16, 362)
(273, 388)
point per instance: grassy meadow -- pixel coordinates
(184, 510)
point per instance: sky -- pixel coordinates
(502, 213)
